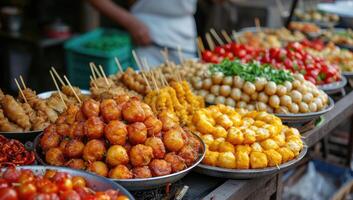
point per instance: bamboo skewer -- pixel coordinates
(20, 89)
(57, 75)
(23, 83)
(139, 66)
(226, 36)
(119, 65)
(180, 54)
(92, 70)
(235, 36)
(57, 87)
(216, 36)
(96, 70)
(209, 41)
(154, 81)
(72, 89)
(200, 43)
(93, 82)
(105, 77)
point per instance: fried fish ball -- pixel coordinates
(235, 136)
(63, 129)
(242, 160)
(188, 154)
(280, 139)
(286, 154)
(224, 121)
(98, 167)
(249, 136)
(226, 147)
(76, 163)
(160, 167)
(173, 140)
(258, 160)
(219, 132)
(116, 132)
(274, 158)
(94, 150)
(54, 156)
(117, 155)
(90, 108)
(77, 130)
(94, 127)
(176, 161)
(141, 155)
(256, 147)
(269, 144)
(154, 126)
(157, 146)
(262, 134)
(244, 148)
(226, 160)
(133, 111)
(211, 158)
(120, 172)
(137, 133)
(207, 139)
(142, 172)
(74, 149)
(110, 110)
(294, 146)
(49, 140)
(214, 146)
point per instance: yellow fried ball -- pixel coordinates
(258, 160)
(226, 160)
(274, 158)
(235, 136)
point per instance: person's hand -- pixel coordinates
(139, 32)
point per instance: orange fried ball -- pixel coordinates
(63, 129)
(188, 154)
(142, 172)
(133, 111)
(74, 149)
(116, 132)
(120, 172)
(49, 140)
(110, 110)
(154, 126)
(157, 146)
(63, 144)
(141, 155)
(147, 109)
(80, 117)
(76, 164)
(77, 130)
(120, 99)
(94, 127)
(117, 155)
(192, 141)
(90, 108)
(98, 167)
(137, 133)
(169, 120)
(173, 140)
(94, 150)
(71, 113)
(176, 161)
(55, 156)
(160, 167)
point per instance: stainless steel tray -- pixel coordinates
(247, 173)
(141, 183)
(335, 87)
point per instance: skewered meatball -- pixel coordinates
(137, 133)
(157, 146)
(188, 154)
(141, 155)
(120, 172)
(49, 140)
(90, 108)
(176, 161)
(77, 130)
(117, 155)
(110, 110)
(74, 149)
(63, 129)
(76, 164)
(55, 156)
(142, 172)
(160, 167)
(173, 140)
(154, 126)
(94, 150)
(98, 167)
(116, 132)
(133, 111)
(94, 127)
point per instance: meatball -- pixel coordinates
(173, 140)
(63, 129)
(160, 167)
(120, 172)
(90, 108)
(157, 146)
(169, 120)
(49, 140)
(76, 164)
(63, 144)
(74, 149)
(120, 99)
(71, 113)
(94, 128)
(147, 109)
(188, 154)
(98, 167)
(110, 110)
(117, 155)
(94, 150)
(77, 130)
(116, 132)
(154, 126)
(137, 133)
(142, 172)
(133, 111)
(55, 156)
(141, 155)
(176, 161)
(193, 141)
(80, 117)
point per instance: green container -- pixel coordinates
(100, 46)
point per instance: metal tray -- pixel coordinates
(335, 87)
(247, 173)
(140, 183)
(348, 75)
(95, 182)
(305, 117)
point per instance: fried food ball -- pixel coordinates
(121, 99)
(116, 132)
(274, 158)
(269, 144)
(169, 120)
(176, 161)
(226, 147)
(94, 128)
(226, 160)
(63, 129)
(74, 149)
(76, 163)
(142, 172)
(117, 155)
(249, 136)
(244, 148)
(216, 143)
(80, 117)
(154, 126)
(211, 158)
(141, 155)
(90, 108)
(110, 110)
(258, 160)
(94, 150)
(49, 140)
(220, 132)
(160, 167)
(120, 172)
(192, 141)
(173, 139)
(133, 111)
(286, 154)
(207, 139)
(157, 146)
(188, 154)
(256, 147)
(137, 133)
(235, 136)
(242, 160)
(147, 109)
(54, 156)
(71, 113)
(63, 143)
(77, 130)
(98, 167)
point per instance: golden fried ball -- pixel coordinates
(121, 99)
(98, 167)
(169, 120)
(54, 156)
(214, 146)
(76, 163)
(137, 133)
(142, 172)
(63, 129)
(188, 154)
(147, 109)
(133, 111)
(226, 147)
(207, 139)
(49, 140)
(235, 136)
(286, 154)
(160, 167)
(274, 158)
(94, 127)
(211, 158)
(249, 136)
(154, 126)
(220, 132)
(242, 160)
(120, 172)
(176, 161)
(80, 117)
(192, 140)
(90, 108)
(116, 132)
(157, 146)
(244, 148)
(110, 110)
(74, 148)
(77, 130)
(141, 155)
(63, 143)
(94, 150)
(269, 144)
(117, 155)
(258, 160)
(173, 139)
(224, 121)
(226, 160)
